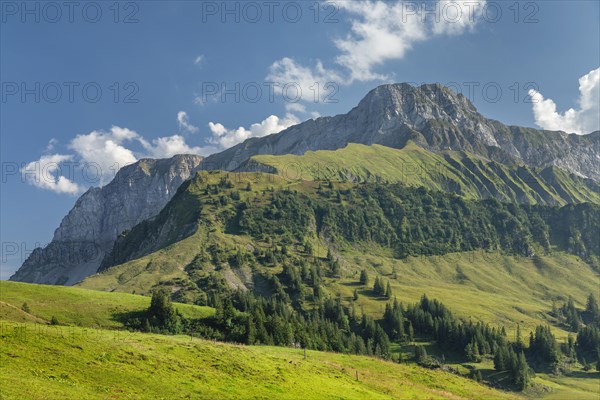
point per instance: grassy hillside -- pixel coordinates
(119, 364)
(498, 288)
(146, 366)
(462, 173)
(270, 236)
(75, 306)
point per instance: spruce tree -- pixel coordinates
(250, 331)
(420, 353)
(162, 313)
(521, 374)
(591, 308)
(518, 339)
(364, 277)
(388, 291)
(378, 287)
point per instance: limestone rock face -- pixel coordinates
(138, 192)
(436, 119)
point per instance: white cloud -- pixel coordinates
(98, 155)
(585, 119)
(51, 143)
(297, 82)
(184, 122)
(46, 173)
(457, 17)
(166, 147)
(225, 138)
(105, 150)
(295, 107)
(380, 31)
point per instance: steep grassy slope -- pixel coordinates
(493, 287)
(462, 173)
(251, 230)
(145, 366)
(498, 289)
(75, 306)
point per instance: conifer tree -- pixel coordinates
(378, 287)
(591, 308)
(364, 277)
(521, 373)
(420, 353)
(250, 331)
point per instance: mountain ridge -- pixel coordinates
(460, 172)
(435, 118)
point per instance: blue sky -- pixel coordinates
(157, 65)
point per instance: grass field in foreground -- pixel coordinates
(75, 306)
(105, 365)
(75, 362)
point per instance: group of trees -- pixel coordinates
(380, 289)
(247, 318)
(507, 359)
(416, 221)
(573, 319)
(160, 317)
(586, 323)
(476, 341)
(283, 319)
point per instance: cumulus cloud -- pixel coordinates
(456, 17)
(296, 82)
(184, 122)
(97, 156)
(46, 173)
(295, 107)
(585, 119)
(225, 138)
(166, 147)
(105, 150)
(379, 32)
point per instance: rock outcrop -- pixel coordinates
(138, 191)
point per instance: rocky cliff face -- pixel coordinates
(138, 192)
(435, 118)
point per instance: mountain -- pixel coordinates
(459, 172)
(244, 230)
(425, 128)
(435, 118)
(138, 192)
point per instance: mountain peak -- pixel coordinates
(414, 105)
